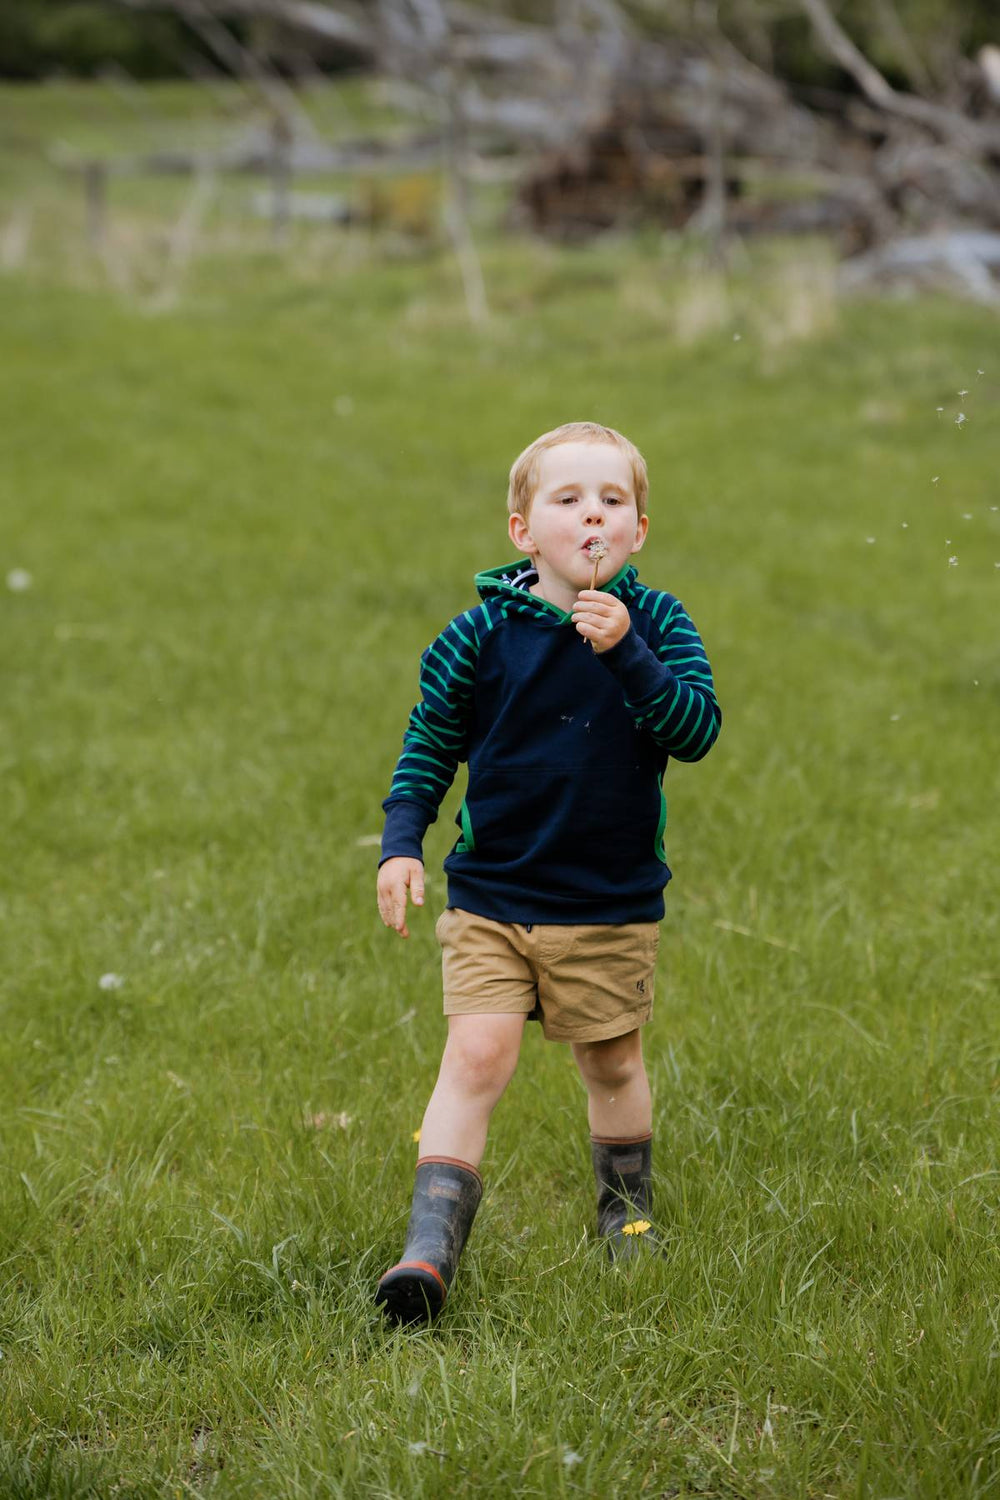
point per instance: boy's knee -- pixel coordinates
(611, 1064)
(482, 1064)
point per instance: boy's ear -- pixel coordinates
(520, 533)
(640, 532)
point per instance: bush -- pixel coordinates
(83, 36)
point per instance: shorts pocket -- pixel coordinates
(439, 925)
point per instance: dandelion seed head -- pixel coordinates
(737, 337)
(960, 419)
(869, 540)
(963, 393)
(935, 478)
(894, 718)
(980, 372)
(906, 525)
(939, 409)
(417, 1447)
(571, 1459)
(953, 562)
(967, 515)
(19, 580)
(111, 981)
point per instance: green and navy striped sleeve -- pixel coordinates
(436, 738)
(668, 682)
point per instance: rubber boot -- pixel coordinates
(624, 1175)
(446, 1195)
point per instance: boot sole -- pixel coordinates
(412, 1292)
(641, 1250)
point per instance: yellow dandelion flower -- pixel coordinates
(638, 1226)
(416, 1135)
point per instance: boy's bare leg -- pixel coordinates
(621, 1122)
(478, 1063)
(619, 1103)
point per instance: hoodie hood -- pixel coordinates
(511, 581)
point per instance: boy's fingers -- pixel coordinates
(392, 898)
(399, 912)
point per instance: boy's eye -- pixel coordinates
(608, 499)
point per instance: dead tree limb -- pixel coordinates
(968, 135)
(184, 236)
(202, 17)
(964, 260)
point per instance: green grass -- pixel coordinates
(205, 1170)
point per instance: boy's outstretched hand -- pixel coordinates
(600, 618)
(394, 879)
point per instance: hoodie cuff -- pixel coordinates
(637, 668)
(405, 826)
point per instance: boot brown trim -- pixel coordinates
(455, 1161)
(610, 1140)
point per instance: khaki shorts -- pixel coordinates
(583, 983)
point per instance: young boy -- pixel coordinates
(567, 702)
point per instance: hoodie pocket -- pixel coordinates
(570, 825)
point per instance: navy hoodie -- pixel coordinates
(564, 816)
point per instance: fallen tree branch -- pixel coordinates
(968, 135)
(966, 261)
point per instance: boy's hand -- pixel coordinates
(395, 876)
(600, 618)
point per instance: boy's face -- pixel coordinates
(583, 490)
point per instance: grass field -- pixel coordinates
(242, 520)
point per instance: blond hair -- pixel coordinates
(524, 472)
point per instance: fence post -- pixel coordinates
(281, 177)
(95, 188)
